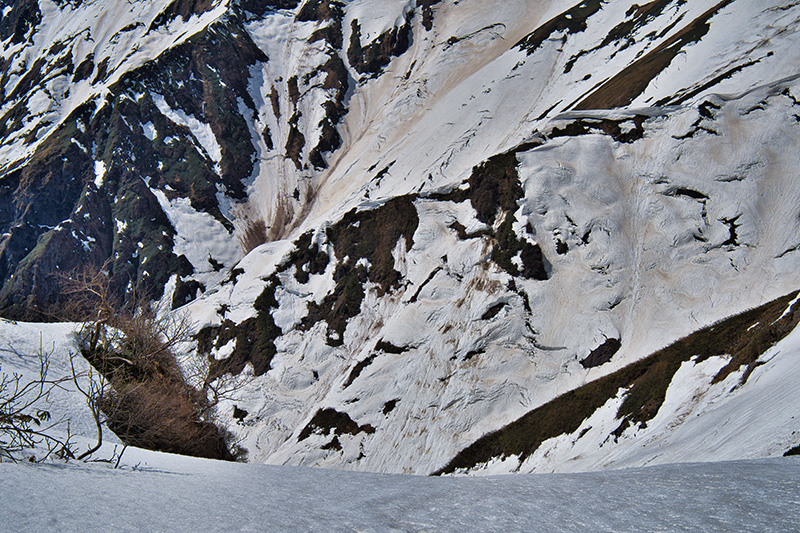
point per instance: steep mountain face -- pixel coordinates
(401, 225)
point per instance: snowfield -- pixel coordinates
(159, 492)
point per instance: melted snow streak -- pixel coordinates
(168, 493)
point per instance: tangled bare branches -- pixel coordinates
(135, 347)
(27, 426)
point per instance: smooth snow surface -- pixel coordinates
(158, 492)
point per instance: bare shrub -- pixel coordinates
(27, 427)
(24, 424)
(134, 345)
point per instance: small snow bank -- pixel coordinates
(375, 18)
(156, 492)
(199, 237)
(21, 345)
(201, 130)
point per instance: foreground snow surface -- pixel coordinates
(163, 492)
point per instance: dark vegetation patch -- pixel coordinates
(293, 91)
(254, 338)
(647, 381)
(733, 238)
(335, 78)
(180, 8)
(330, 13)
(84, 69)
(320, 10)
(371, 235)
(385, 170)
(371, 59)
(388, 347)
(623, 88)
(368, 234)
(427, 12)
(24, 17)
(101, 73)
(262, 7)
(612, 128)
(493, 311)
(494, 191)
(510, 247)
(295, 142)
(473, 353)
(461, 231)
(239, 414)
(686, 192)
(234, 275)
(185, 292)
(274, 99)
(389, 406)
(572, 21)
(494, 187)
(306, 258)
(602, 354)
(34, 77)
(622, 34)
(360, 366)
(327, 421)
(334, 444)
(216, 265)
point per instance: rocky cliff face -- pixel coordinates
(401, 225)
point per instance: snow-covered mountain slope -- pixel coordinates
(402, 225)
(723, 392)
(157, 492)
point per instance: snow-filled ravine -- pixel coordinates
(160, 492)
